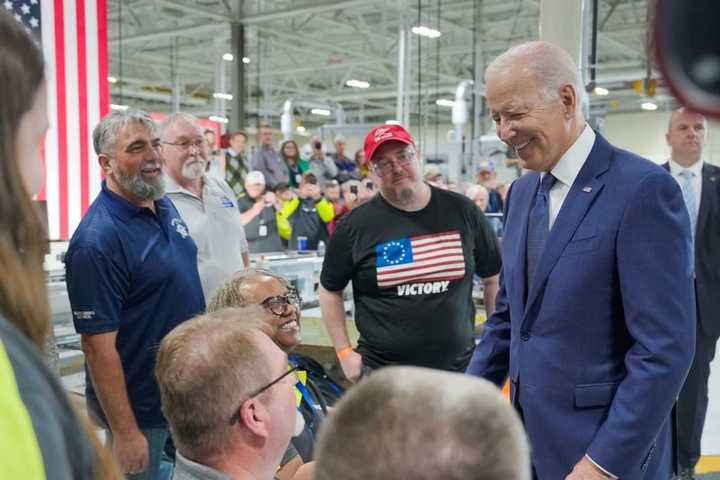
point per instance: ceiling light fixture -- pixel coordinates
(357, 84)
(649, 106)
(112, 79)
(222, 96)
(444, 102)
(246, 59)
(301, 129)
(601, 91)
(424, 31)
(216, 118)
(228, 57)
(114, 106)
(321, 111)
(392, 122)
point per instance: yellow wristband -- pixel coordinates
(344, 352)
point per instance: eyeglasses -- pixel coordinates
(280, 304)
(295, 371)
(186, 144)
(385, 165)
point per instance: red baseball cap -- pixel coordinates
(383, 134)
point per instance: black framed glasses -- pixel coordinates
(280, 304)
(295, 371)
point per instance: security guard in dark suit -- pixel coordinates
(700, 183)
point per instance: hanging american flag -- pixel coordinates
(74, 41)
(420, 259)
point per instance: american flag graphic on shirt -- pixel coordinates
(424, 258)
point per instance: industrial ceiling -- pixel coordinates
(168, 54)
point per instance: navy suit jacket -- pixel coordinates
(707, 259)
(597, 350)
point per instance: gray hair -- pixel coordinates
(410, 422)
(550, 66)
(177, 117)
(105, 133)
(473, 190)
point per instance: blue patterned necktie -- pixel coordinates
(538, 225)
(690, 197)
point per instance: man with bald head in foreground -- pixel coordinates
(595, 318)
(422, 424)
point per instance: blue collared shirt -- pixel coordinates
(135, 272)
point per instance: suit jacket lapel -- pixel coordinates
(524, 204)
(576, 204)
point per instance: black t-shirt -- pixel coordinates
(412, 275)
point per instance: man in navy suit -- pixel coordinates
(595, 318)
(700, 184)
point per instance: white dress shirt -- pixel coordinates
(567, 170)
(696, 168)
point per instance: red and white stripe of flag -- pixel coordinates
(74, 41)
(435, 257)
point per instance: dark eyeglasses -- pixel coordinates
(280, 304)
(293, 371)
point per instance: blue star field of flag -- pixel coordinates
(26, 12)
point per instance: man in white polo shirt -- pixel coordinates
(206, 203)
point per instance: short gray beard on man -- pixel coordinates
(152, 190)
(193, 170)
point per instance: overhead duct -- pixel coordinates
(286, 119)
(460, 109)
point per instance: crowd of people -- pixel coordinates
(189, 350)
(284, 195)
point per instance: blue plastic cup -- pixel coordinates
(301, 244)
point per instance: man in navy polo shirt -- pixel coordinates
(132, 277)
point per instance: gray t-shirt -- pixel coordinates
(186, 469)
(215, 226)
(268, 161)
(262, 231)
(324, 169)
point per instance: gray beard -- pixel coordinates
(193, 170)
(135, 184)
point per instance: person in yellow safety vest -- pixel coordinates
(305, 215)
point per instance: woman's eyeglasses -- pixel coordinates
(280, 304)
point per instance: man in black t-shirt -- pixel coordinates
(410, 253)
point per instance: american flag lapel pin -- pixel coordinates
(587, 189)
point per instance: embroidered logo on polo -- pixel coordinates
(84, 314)
(420, 265)
(180, 227)
(227, 203)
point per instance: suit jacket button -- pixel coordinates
(525, 336)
